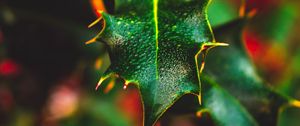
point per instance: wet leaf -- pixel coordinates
(155, 44)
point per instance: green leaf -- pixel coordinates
(155, 44)
(224, 109)
(233, 71)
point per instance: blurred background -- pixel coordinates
(48, 74)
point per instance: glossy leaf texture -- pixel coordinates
(224, 108)
(231, 69)
(155, 45)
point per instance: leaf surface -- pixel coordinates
(155, 44)
(224, 109)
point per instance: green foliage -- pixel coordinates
(223, 107)
(156, 45)
(232, 70)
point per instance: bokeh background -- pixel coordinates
(48, 74)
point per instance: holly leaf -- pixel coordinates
(224, 109)
(232, 70)
(155, 45)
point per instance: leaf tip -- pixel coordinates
(220, 44)
(91, 41)
(129, 82)
(213, 44)
(126, 84)
(95, 22)
(200, 99)
(102, 79)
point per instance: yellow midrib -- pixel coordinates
(155, 11)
